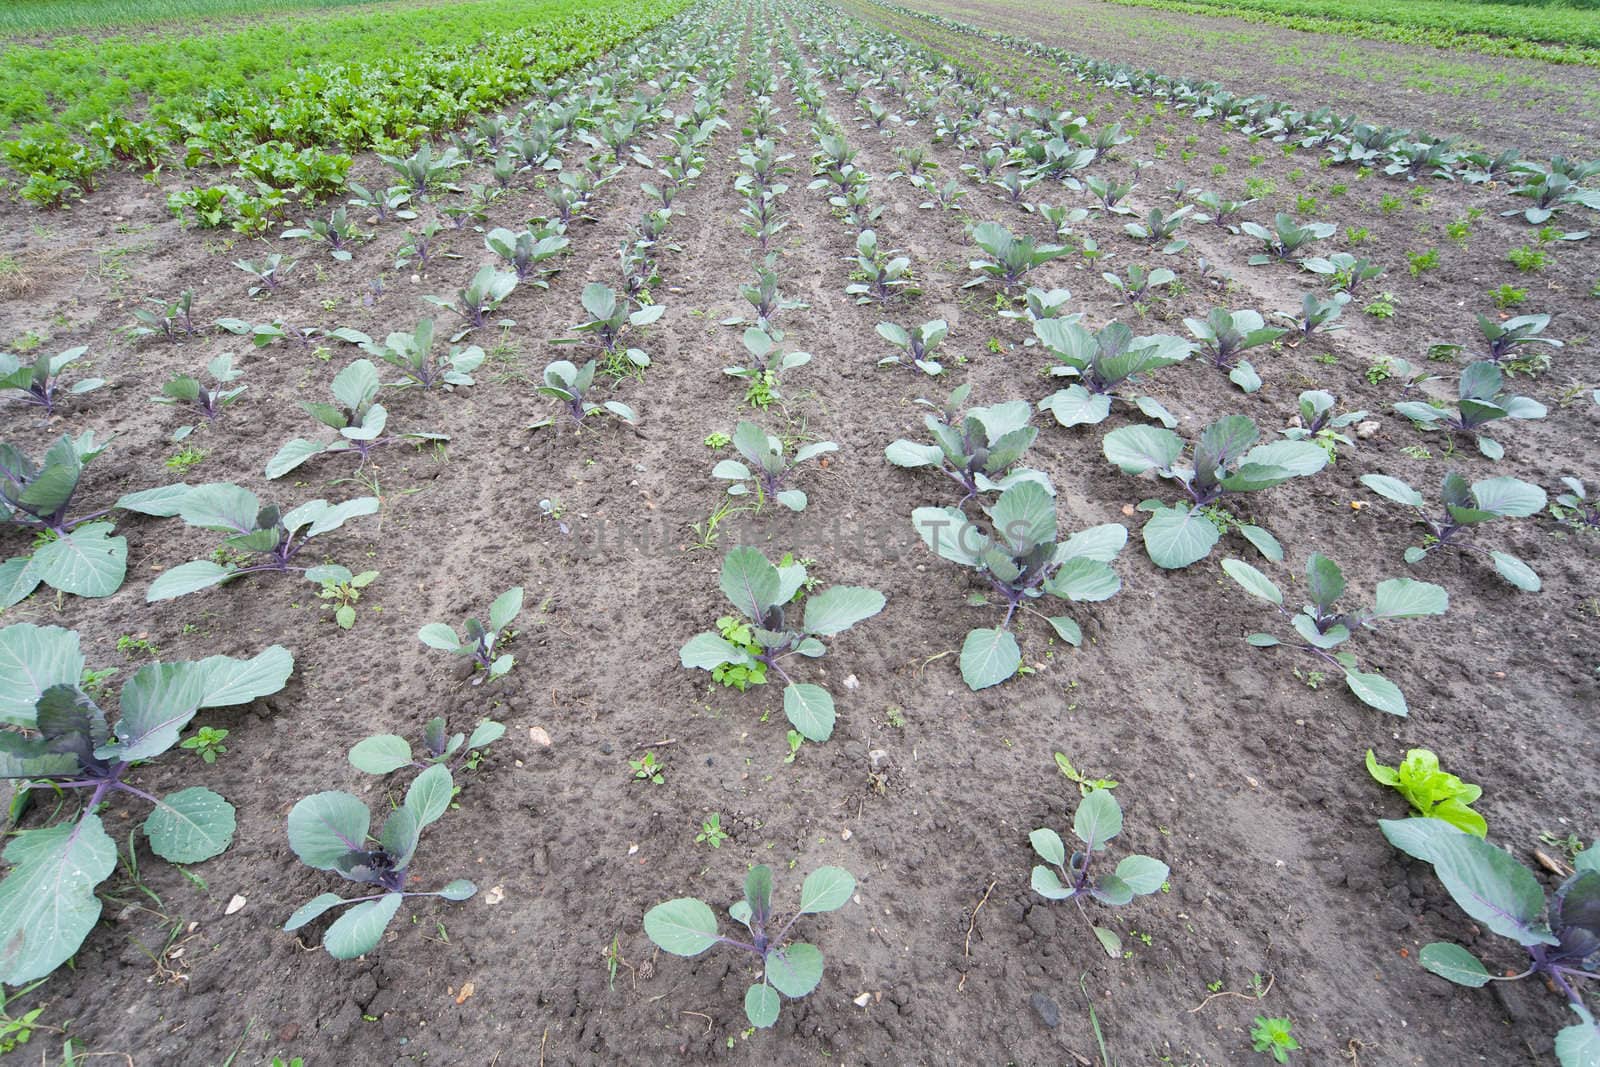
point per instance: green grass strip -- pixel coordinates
(1552, 35)
(53, 16)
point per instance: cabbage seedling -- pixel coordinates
(265, 539)
(769, 469)
(211, 400)
(765, 368)
(40, 382)
(412, 354)
(1320, 425)
(1561, 936)
(570, 385)
(1286, 238)
(1483, 400)
(1021, 562)
(1224, 463)
(330, 832)
(1505, 337)
(1097, 820)
(979, 450)
(1466, 507)
(1104, 363)
(918, 345)
(609, 323)
(73, 554)
(526, 252)
(483, 295)
(47, 903)
(1224, 335)
(1010, 257)
(480, 640)
(687, 927)
(1322, 628)
(359, 419)
(387, 753)
(763, 593)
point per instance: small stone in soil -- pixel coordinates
(1048, 1012)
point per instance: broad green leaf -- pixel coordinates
(1112, 890)
(1455, 963)
(1047, 843)
(758, 890)
(1262, 541)
(989, 657)
(911, 454)
(1403, 598)
(1300, 458)
(1418, 837)
(438, 635)
(17, 581)
(380, 754)
(1098, 819)
(750, 581)
(401, 832)
(826, 889)
(1262, 640)
(1376, 691)
(1076, 406)
(793, 499)
(358, 931)
(1109, 941)
(86, 561)
(1142, 874)
(1047, 884)
(1025, 515)
(1225, 440)
(683, 927)
(460, 889)
(795, 970)
(356, 385)
(162, 502)
(1579, 1045)
(810, 709)
(949, 533)
(1084, 579)
(429, 795)
(293, 454)
(710, 650)
(1515, 571)
(1252, 581)
(186, 578)
(225, 681)
(33, 659)
(1136, 449)
(1324, 580)
(1392, 488)
(837, 609)
(761, 1005)
(47, 902)
(1101, 543)
(311, 909)
(325, 826)
(1509, 497)
(1178, 536)
(190, 825)
(505, 608)
(1492, 887)
(1066, 628)
(339, 514)
(486, 732)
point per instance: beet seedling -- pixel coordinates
(687, 927)
(1097, 820)
(480, 641)
(329, 831)
(762, 593)
(1021, 562)
(47, 903)
(1323, 629)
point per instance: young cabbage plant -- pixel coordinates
(1319, 425)
(1349, 273)
(766, 367)
(210, 400)
(359, 419)
(763, 594)
(884, 275)
(1483, 400)
(412, 355)
(1224, 335)
(482, 296)
(769, 470)
(68, 748)
(570, 384)
(1286, 238)
(1159, 226)
(269, 272)
(1576, 508)
(71, 553)
(1467, 507)
(1097, 820)
(480, 641)
(687, 926)
(1010, 257)
(331, 831)
(1140, 284)
(978, 449)
(1322, 628)
(1223, 213)
(609, 323)
(1505, 338)
(1560, 936)
(39, 383)
(1550, 193)
(171, 321)
(916, 345)
(1316, 316)
(527, 252)
(261, 540)
(766, 298)
(1224, 463)
(338, 233)
(1105, 364)
(1432, 793)
(422, 172)
(1021, 561)
(387, 753)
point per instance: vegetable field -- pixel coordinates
(793, 530)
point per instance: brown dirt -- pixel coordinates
(1245, 781)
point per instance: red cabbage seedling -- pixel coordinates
(386, 753)
(1104, 363)
(687, 927)
(211, 400)
(1482, 400)
(1466, 507)
(40, 382)
(1097, 820)
(769, 469)
(480, 640)
(978, 449)
(358, 418)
